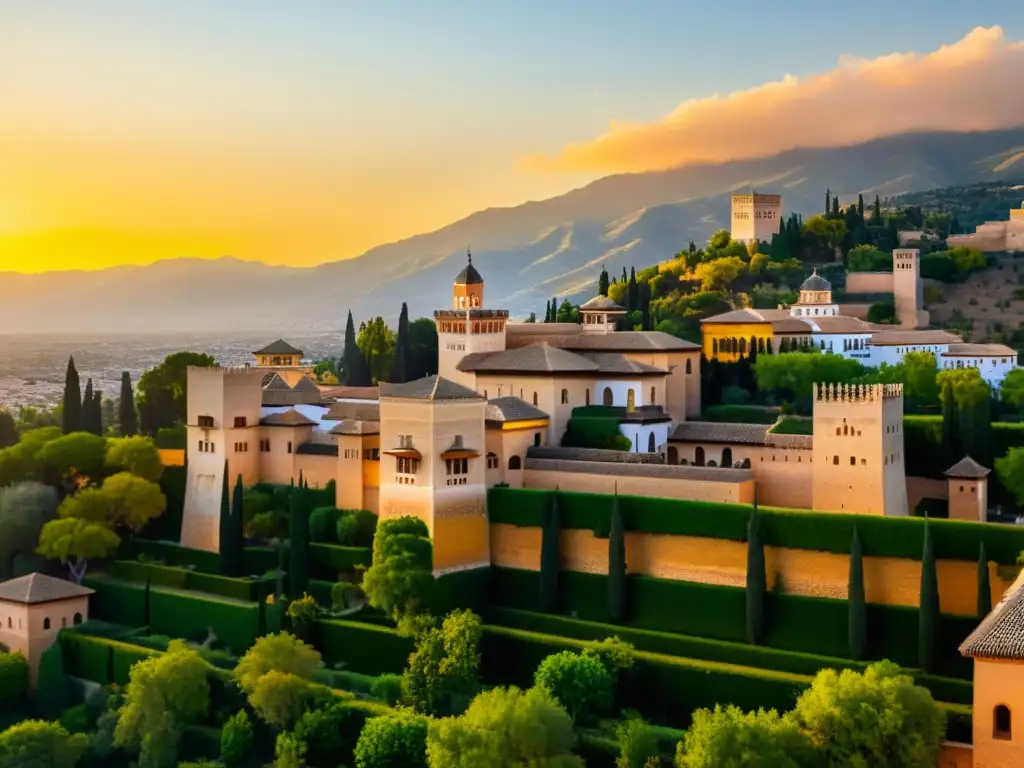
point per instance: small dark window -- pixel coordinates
(853, 461)
(78, 618)
(565, 397)
(206, 422)
(835, 459)
(515, 462)
(1002, 725)
(239, 422)
(536, 439)
(289, 446)
(46, 623)
(689, 367)
(534, 398)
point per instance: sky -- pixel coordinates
(299, 133)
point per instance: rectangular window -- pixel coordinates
(374, 454)
(239, 422)
(289, 446)
(407, 466)
(457, 466)
(206, 422)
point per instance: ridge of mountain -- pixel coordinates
(527, 253)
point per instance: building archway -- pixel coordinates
(515, 462)
(651, 447)
(673, 455)
(607, 397)
(727, 457)
(698, 457)
(1002, 723)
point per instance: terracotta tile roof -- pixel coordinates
(654, 471)
(601, 304)
(910, 338)
(429, 388)
(617, 341)
(721, 432)
(968, 469)
(40, 588)
(364, 411)
(290, 418)
(615, 362)
(1000, 634)
(356, 427)
(842, 324)
(798, 442)
(279, 347)
(981, 350)
(599, 455)
(536, 358)
(737, 316)
(275, 382)
(351, 393)
(502, 409)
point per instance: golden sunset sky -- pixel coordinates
(309, 132)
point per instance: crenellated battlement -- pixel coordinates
(856, 393)
(227, 370)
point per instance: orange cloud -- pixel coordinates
(973, 84)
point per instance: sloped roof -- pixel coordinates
(304, 384)
(1000, 634)
(351, 393)
(968, 469)
(842, 324)
(536, 358)
(736, 316)
(40, 588)
(290, 418)
(277, 383)
(469, 275)
(279, 347)
(356, 427)
(368, 410)
(502, 409)
(616, 341)
(981, 350)
(720, 432)
(910, 338)
(615, 362)
(601, 304)
(429, 388)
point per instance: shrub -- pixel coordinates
(344, 595)
(236, 739)
(387, 688)
(13, 678)
(322, 524)
(329, 734)
(366, 527)
(729, 736)
(579, 682)
(393, 741)
(638, 744)
(39, 744)
(303, 613)
(362, 647)
(346, 529)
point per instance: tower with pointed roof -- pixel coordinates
(968, 490)
(468, 326)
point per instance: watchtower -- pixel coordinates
(858, 449)
(755, 217)
(907, 288)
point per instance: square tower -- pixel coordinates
(755, 217)
(968, 490)
(433, 466)
(858, 449)
(907, 288)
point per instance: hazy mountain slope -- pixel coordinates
(527, 254)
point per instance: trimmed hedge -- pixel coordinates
(462, 589)
(100, 659)
(807, 625)
(184, 614)
(171, 553)
(899, 537)
(185, 578)
(363, 648)
(116, 601)
(740, 414)
(334, 557)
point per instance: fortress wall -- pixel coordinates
(726, 492)
(925, 488)
(869, 282)
(888, 581)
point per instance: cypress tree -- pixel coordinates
(71, 417)
(549, 563)
(860, 206)
(617, 565)
(828, 202)
(298, 541)
(356, 373)
(232, 525)
(399, 369)
(602, 282)
(85, 415)
(224, 527)
(95, 415)
(632, 297)
(857, 616)
(127, 417)
(554, 310)
(835, 207)
(626, 279)
(928, 613)
(756, 578)
(984, 589)
(877, 217)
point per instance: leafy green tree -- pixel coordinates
(731, 738)
(856, 607)
(505, 727)
(984, 588)
(162, 392)
(136, 454)
(400, 367)
(615, 655)
(280, 698)
(232, 528)
(878, 718)
(275, 674)
(928, 613)
(400, 579)
(444, 670)
(13, 678)
(422, 348)
(329, 734)
(567, 313)
(40, 744)
(791, 375)
(377, 343)
(164, 694)
(23, 463)
(550, 563)
(393, 741)
(79, 456)
(133, 502)
(638, 745)
(55, 691)
(1010, 470)
(74, 541)
(298, 541)
(617, 596)
(967, 416)
(128, 417)
(236, 738)
(756, 578)
(8, 429)
(355, 371)
(867, 258)
(24, 509)
(71, 405)
(717, 275)
(883, 312)
(289, 752)
(579, 682)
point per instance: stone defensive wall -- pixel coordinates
(869, 282)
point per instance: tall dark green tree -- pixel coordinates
(860, 206)
(876, 216)
(549, 559)
(8, 429)
(400, 367)
(828, 202)
(625, 279)
(547, 311)
(94, 417)
(617, 607)
(85, 419)
(602, 282)
(632, 294)
(554, 309)
(298, 541)
(232, 528)
(857, 633)
(835, 207)
(984, 588)
(356, 373)
(71, 415)
(128, 418)
(928, 613)
(756, 578)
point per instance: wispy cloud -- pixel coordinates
(973, 84)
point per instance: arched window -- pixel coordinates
(839, 431)
(727, 457)
(515, 462)
(651, 447)
(46, 623)
(492, 461)
(743, 346)
(1002, 723)
(536, 439)
(607, 398)
(698, 457)
(673, 455)
(565, 397)
(689, 367)
(77, 620)
(654, 396)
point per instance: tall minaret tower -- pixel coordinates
(467, 327)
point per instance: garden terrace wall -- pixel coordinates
(364, 648)
(253, 590)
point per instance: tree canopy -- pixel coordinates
(162, 392)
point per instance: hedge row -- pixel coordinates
(363, 648)
(115, 601)
(179, 613)
(901, 537)
(185, 578)
(793, 622)
(171, 553)
(100, 659)
(334, 558)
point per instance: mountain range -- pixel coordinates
(527, 254)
